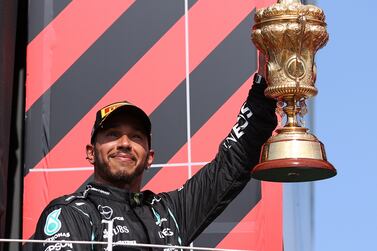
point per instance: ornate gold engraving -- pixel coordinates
(290, 34)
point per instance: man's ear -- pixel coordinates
(150, 158)
(90, 153)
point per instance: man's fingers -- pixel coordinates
(261, 64)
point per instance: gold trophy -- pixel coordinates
(289, 34)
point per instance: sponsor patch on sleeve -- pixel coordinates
(53, 224)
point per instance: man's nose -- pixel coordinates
(124, 141)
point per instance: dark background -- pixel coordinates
(13, 16)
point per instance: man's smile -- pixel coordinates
(122, 156)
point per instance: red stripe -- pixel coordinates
(41, 188)
(65, 39)
(146, 84)
(170, 178)
(262, 227)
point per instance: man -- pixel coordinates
(113, 208)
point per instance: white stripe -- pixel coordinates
(180, 164)
(72, 169)
(188, 111)
(121, 244)
(62, 169)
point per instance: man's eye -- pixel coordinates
(112, 134)
(137, 136)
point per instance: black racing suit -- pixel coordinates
(172, 218)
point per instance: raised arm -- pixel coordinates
(206, 194)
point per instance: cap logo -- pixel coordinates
(108, 109)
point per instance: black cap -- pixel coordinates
(126, 107)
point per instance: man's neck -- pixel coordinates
(133, 187)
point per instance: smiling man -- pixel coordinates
(112, 208)
(120, 146)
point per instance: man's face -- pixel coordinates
(120, 153)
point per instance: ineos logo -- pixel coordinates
(105, 211)
(238, 129)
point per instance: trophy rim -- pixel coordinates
(287, 18)
(294, 170)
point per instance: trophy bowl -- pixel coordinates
(289, 34)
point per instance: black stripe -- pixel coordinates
(148, 175)
(41, 13)
(221, 74)
(55, 113)
(169, 125)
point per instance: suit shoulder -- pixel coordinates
(70, 200)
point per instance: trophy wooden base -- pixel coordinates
(293, 170)
(293, 155)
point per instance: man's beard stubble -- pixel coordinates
(120, 177)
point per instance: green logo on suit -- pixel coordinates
(53, 224)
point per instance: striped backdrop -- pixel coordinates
(187, 63)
